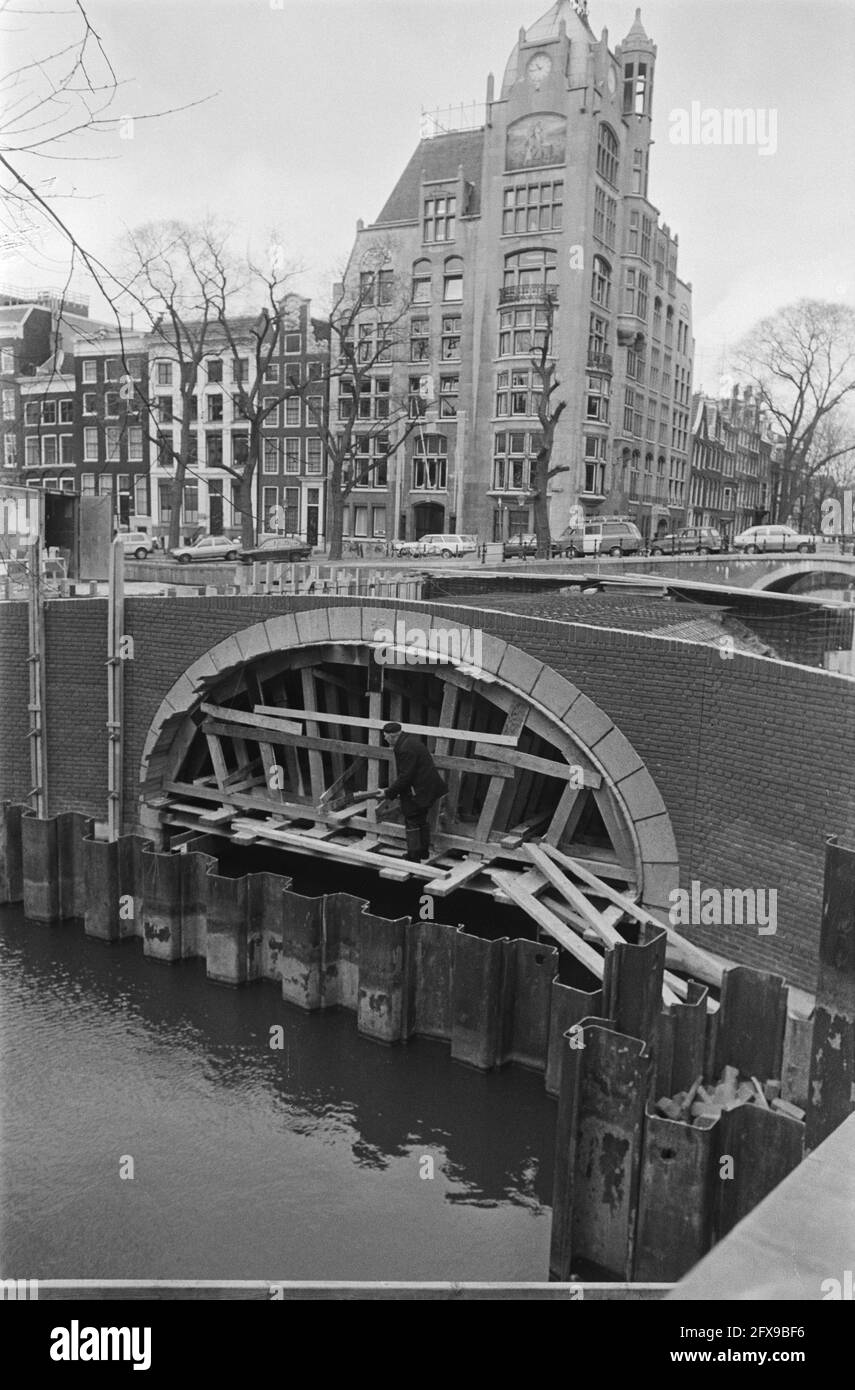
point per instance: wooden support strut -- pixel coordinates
(425, 730)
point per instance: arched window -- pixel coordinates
(669, 326)
(529, 275)
(607, 154)
(430, 462)
(657, 317)
(601, 286)
(452, 284)
(421, 282)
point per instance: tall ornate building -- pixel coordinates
(538, 221)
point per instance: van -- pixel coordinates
(605, 537)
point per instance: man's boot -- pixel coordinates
(424, 841)
(414, 842)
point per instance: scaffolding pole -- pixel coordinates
(115, 687)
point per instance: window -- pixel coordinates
(597, 399)
(32, 457)
(657, 317)
(452, 284)
(360, 521)
(87, 484)
(605, 217)
(419, 340)
(270, 505)
(90, 444)
(292, 455)
(7, 361)
(430, 462)
(635, 89)
(135, 444)
(419, 395)
(370, 461)
(638, 181)
(191, 502)
(634, 365)
(523, 331)
(163, 410)
(240, 370)
(292, 410)
(533, 207)
(512, 456)
(8, 405)
(112, 439)
(271, 372)
(112, 369)
(375, 287)
(66, 412)
(451, 324)
(601, 286)
(421, 282)
(240, 448)
(10, 451)
(270, 461)
(270, 412)
(314, 456)
(50, 454)
(646, 230)
(598, 336)
(215, 369)
(48, 412)
(635, 293)
(449, 388)
(438, 223)
(378, 522)
(111, 404)
(90, 372)
(607, 155)
(632, 233)
(517, 392)
(141, 495)
(214, 406)
(135, 368)
(214, 449)
(529, 275)
(164, 374)
(654, 369)
(669, 326)
(293, 342)
(32, 413)
(632, 406)
(374, 397)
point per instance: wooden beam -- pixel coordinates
(316, 762)
(426, 730)
(575, 897)
(692, 959)
(547, 767)
(571, 804)
(457, 877)
(221, 771)
(549, 923)
(512, 728)
(251, 721)
(348, 854)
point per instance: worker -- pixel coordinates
(417, 783)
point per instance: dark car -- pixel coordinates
(704, 540)
(279, 549)
(518, 547)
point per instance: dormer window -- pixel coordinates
(439, 218)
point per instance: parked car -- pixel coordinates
(705, 540)
(137, 543)
(406, 548)
(761, 538)
(206, 548)
(606, 537)
(278, 548)
(517, 547)
(447, 545)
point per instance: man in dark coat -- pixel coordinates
(417, 783)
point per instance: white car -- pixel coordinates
(207, 548)
(447, 545)
(758, 539)
(137, 543)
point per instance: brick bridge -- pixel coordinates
(731, 773)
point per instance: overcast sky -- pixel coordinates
(314, 111)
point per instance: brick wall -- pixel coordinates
(752, 758)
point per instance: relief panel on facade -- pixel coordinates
(536, 140)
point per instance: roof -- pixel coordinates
(544, 30)
(439, 158)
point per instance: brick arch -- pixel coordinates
(573, 718)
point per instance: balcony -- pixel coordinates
(600, 362)
(532, 294)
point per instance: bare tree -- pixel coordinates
(802, 364)
(549, 412)
(367, 329)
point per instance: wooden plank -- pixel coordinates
(251, 721)
(316, 762)
(547, 767)
(576, 898)
(691, 958)
(512, 728)
(346, 853)
(571, 804)
(458, 876)
(221, 771)
(549, 923)
(427, 730)
(272, 770)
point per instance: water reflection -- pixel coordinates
(249, 1161)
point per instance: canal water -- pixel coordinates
(248, 1163)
